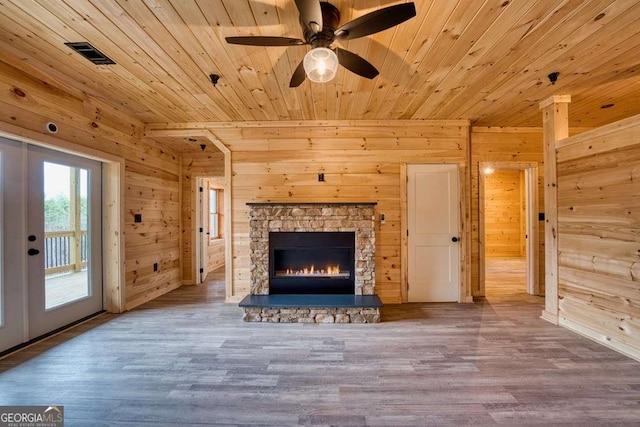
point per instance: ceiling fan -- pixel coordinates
(319, 21)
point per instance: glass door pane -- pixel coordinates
(65, 231)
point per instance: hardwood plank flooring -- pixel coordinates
(505, 276)
(188, 359)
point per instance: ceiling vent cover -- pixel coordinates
(91, 53)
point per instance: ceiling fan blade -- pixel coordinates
(356, 64)
(298, 75)
(310, 14)
(376, 21)
(264, 41)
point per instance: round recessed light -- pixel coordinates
(607, 106)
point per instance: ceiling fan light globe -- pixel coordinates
(320, 64)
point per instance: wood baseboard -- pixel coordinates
(620, 347)
(549, 317)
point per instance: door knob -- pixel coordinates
(454, 239)
(33, 251)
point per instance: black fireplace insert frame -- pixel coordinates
(312, 240)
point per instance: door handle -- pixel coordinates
(33, 251)
(454, 239)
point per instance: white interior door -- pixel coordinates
(433, 211)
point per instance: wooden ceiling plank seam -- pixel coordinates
(544, 61)
(461, 59)
(293, 55)
(346, 81)
(429, 71)
(336, 101)
(478, 81)
(204, 52)
(146, 17)
(182, 86)
(57, 69)
(237, 97)
(361, 85)
(398, 72)
(472, 25)
(376, 53)
(279, 72)
(578, 36)
(582, 106)
(32, 70)
(236, 68)
(488, 48)
(79, 66)
(86, 23)
(549, 32)
(435, 21)
(406, 125)
(606, 87)
(600, 95)
(350, 81)
(13, 33)
(251, 60)
(304, 99)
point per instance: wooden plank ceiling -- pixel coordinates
(483, 60)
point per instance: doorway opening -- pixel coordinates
(210, 221)
(508, 234)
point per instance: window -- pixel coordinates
(214, 214)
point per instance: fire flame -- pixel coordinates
(331, 270)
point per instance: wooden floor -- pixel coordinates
(63, 288)
(187, 359)
(505, 276)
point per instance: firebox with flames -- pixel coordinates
(312, 271)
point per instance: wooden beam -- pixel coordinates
(555, 124)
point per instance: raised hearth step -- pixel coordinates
(311, 301)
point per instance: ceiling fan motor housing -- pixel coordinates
(330, 21)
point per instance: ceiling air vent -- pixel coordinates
(91, 53)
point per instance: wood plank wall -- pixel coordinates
(598, 234)
(503, 146)
(151, 172)
(206, 164)
(504, 218)
(361, 161)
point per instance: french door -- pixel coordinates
(51, 273)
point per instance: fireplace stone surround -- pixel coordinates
(313, 217)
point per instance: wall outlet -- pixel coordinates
(320, 177)
(137, 218)
(382, 218)
(155, 266)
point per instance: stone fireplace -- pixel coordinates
(281, 233)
